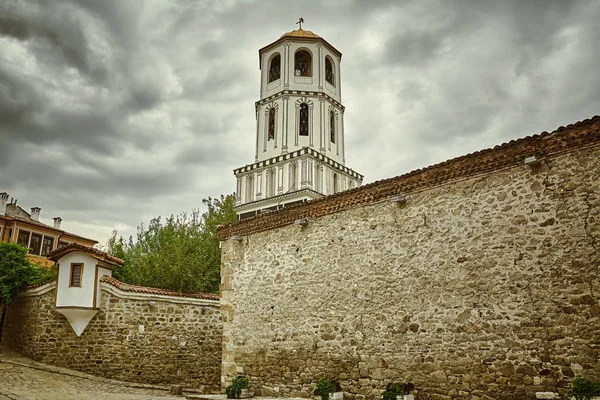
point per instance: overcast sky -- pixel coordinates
(114, 112)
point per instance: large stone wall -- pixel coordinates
(158, 341)
(481, 288)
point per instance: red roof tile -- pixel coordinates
(98, 254)
(564, 139)
(165, 292)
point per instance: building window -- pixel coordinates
(275, 68)
(272, 124)
(249, 189)
(332, 126)
(23, 238)
(76, 272)
(336, 183)
(303, 128)
(329, 74)
(293, 174)
(35, 244)
(271, 183)
(302, 63)
(47, 245)
(62, 244)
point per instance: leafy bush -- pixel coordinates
(583, 389)
(180, 252)
(237, 384)
(16, 271)
(392, 390)
(325, 387)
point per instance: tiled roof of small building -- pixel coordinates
(164, 292)
(98, 254)
(42, 225)
(573, 137)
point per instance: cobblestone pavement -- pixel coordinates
(25, 383)
(24, 379)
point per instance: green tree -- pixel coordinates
(16, 271)
(180, 253)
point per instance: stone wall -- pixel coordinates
(485, 287)
(159, 341)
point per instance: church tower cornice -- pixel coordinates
(299, 93)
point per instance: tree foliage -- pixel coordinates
(16, 271)
(180, 253)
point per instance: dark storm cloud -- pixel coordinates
(114, 112)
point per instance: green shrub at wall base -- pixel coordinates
(237, 384)
(583, 389)
(325, 387)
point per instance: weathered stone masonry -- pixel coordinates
(164, 340)
(484, 285)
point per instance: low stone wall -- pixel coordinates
(134, 337)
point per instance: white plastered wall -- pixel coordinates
(67, 296)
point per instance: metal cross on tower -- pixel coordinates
(300, 22)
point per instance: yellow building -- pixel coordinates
(20, 226)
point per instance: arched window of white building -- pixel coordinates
(319, 179)
(249, 189)
(336, 183)
(329, 74)
(275, 68)
(293, 173)
(303, 123)
(271, 124)
(332, 126)
(271, 177)
(302, 63)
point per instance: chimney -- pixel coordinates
(35, 213)
(3, 201)
(57, 221)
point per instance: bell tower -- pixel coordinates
(299, 154)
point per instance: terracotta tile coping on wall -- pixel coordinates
(164, 292)
(134, 289)
(573, 137)
(55, 255)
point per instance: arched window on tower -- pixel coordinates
(275, 68)
(302, 63)
(329, 74)
(271, 124)
(271, 182)
(332, 126)
(249, 188)
(336, 183)
(303, 123)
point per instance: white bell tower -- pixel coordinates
(299, 153)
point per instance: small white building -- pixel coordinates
(80, 269)
(299, 153)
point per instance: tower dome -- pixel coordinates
(301, 33)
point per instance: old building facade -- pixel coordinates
(25, 228)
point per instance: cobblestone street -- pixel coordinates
(23, 379)
(20, 383)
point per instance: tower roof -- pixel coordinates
(301, 33)
(298, 34)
